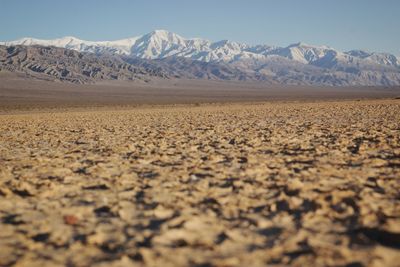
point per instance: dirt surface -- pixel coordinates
(24, 93)
(273, 184)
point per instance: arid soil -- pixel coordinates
(272, 184)
(36, 95)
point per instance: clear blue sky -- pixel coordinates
(344, 24)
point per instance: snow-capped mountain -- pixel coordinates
(161, 44)
(379, 58)
(69, 42)
(297, 63)
(303, 53)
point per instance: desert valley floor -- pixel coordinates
(270, 183)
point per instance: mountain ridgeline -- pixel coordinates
(163, 54)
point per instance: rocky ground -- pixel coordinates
(274, 184)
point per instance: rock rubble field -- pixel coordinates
(262, 184)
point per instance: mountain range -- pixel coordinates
(166, 54)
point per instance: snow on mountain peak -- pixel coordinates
(162, 43)
(164, 34)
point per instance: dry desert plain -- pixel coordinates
(278, 183)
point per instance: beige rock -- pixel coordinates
(286, 184)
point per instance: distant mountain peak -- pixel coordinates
(298, 44)
(162, 43)
(306, 45)
(178, 57)
(70, 38)
(162, 33)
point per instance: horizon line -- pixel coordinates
(201, 38)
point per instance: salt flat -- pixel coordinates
(305, 184)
